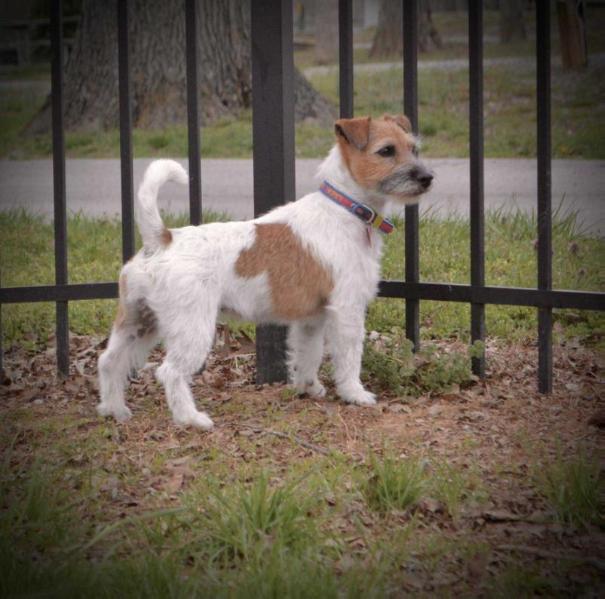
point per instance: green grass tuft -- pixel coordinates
(394, 484)
(247, 522)
(574, 489)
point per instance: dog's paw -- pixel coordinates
(196, 419)
(120, 413)
(312, 388)
(359, 397)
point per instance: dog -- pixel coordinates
(312, 264)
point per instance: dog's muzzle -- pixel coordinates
(412, 180)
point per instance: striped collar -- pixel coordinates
(366, 214)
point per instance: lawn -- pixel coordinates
(484, 489)
(94, 252)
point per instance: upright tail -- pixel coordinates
(150, 223)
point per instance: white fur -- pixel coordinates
(189, 281)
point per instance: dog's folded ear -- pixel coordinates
(401, 120)
(354, 131)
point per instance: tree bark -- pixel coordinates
(326, 32)
(512, 24)
(572, 33)
(388, 39)
(158, 66)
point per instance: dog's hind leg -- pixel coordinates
(188, 344)
(305, 353)
(125, 352)
(133, 335)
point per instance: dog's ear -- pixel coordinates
(354, 131)
(401, 120)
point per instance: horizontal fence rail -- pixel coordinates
(443, 292)
(272, 69)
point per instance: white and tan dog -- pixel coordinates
(313, 264)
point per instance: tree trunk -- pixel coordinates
(572, 33)
(326, 32)
(158, 66)
(512, 24)
(388, 39)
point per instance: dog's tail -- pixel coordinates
(150, 223)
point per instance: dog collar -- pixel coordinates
(366, 214)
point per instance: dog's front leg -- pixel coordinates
(305, 352)
(345, 337)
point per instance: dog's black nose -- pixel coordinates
(425, 179)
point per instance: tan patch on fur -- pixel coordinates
(141, 315)
(121, 313)
(300, 285)
(146, 320)
(401, 120)
(367, 167)
(166, 237)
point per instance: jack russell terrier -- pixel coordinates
(313, 265)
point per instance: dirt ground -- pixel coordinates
(500, 431)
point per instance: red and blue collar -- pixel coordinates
(366, 214)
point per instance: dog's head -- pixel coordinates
(382, 156)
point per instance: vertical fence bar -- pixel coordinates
(1, 341)
(193, 121)
(60, 208)
(410, 106)
(544, 193)
(477, 247)
(345, 56)
(273, 147)
(125, 132)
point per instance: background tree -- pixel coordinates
(512, 23)
(388, 40)
(326, 31)
(572, 33)
(157, 60)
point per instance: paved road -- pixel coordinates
(93, 187)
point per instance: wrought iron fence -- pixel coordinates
(273, 156)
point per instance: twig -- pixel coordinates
(593, 561)
(291, 437)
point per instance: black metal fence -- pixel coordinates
(273, 153)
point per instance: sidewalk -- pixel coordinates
(93, 187)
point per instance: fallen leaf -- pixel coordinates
(598, 419)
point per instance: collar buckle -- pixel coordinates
(365, 213)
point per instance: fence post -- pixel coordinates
(544, 193)
(345, 58)
(125, 132)
(410, 107)
(273, 147)
(477, 246)
(60, 208)
(193, 121)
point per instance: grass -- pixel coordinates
(575, 491)
(87, 509)
(94, 254)
(247, 521)
(453, 28)
(394, 484)
(234, 538)
(390, 363)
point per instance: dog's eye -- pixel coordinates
(386, 151)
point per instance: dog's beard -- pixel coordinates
(401, 184)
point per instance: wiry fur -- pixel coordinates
(176, 286)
